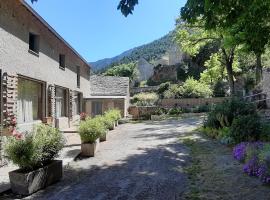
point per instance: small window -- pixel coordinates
(62, 61)
(34, 42)
(78, 77)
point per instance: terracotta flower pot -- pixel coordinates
(24, 183)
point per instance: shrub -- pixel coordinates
(195, 89)
(265, 132)
(145, 99)
(113, 114)
(35, 149)
(106, 123)
(264, 160)
(223, 114)
(210, 132)
(175, 111)
(174, 92)
(91, 129)
(160, 111)
(224, 136)
(162, 88)
(246, 128)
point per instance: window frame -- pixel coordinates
(62, 61)
(78, 73)
(34, 43)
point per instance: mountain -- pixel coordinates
(152, 51)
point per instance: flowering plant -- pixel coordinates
(83, 116)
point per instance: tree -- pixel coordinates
(192, 37)
(123, 70)
(247, 21)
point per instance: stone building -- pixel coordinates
(43, 78)
(107, 92)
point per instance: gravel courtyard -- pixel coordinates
(139, 161)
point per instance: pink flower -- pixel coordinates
(17, 134)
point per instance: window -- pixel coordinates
(62, 61)
(34, 43)
(29, 102)
(61, 102)
(96, 108)
(78, 77)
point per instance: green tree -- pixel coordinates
(192, 37)
(247, 21)
(123, 70)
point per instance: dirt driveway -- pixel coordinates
(139, 161)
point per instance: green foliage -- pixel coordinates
(265, 132)
(145, 99)
(91, 129)
(175, 91)
(214, 70)
(219, 89)
(264, 155)
(162, 88)
(223, 114)
(114, 114)
(195, 89)
(246, 128)
(123, 70)
(175, 111)
(36, 149)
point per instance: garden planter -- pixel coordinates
(116, 123)
(103, 138)
(113, 127)
(47, 120)
(24, 183)
(89, 149)
(6, 132)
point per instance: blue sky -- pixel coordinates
(96, 29)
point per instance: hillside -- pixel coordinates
(151, 51)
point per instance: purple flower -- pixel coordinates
(251, 167)
(239, 151)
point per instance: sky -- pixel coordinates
(97, 30)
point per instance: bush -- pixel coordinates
(162, 88)
(160, 111)
(175, 111)
(113, 114)
(145, 99)
(35, 149)
(223, 114)
(246, 128)
(105, 122)
(195, 89)
(91, 129)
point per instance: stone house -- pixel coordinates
(107, 92)
(43, 79)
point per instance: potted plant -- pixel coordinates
(34, 153)
(107, 124)
(114, 115)
(90, 131)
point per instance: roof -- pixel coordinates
(30, 9)
(109, 86)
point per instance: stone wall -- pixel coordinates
(189, 103)
(164, 73)
(142, 112)
(134, 91)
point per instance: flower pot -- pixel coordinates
(116, 123)
(47, 120)
(103, 138)
(89, 149)
(113, 127)
(6, 132)
(26, 183)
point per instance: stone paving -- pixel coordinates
(139, 161)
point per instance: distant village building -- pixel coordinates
(107, 92)
(146, 70)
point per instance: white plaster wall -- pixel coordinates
(15, 24)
